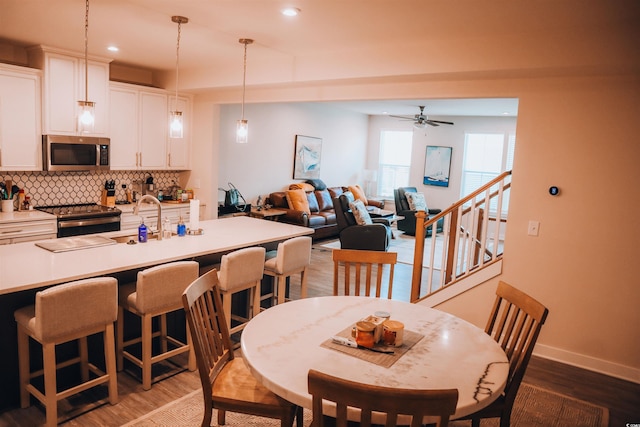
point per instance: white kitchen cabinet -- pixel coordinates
(154, 127)
(124, 146)
(140, 129)
(20, 132)
(28, 230)
(64, 86)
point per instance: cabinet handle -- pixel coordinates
(12, 231)
(0, 156)
(169, 159)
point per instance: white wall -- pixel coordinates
(265, 164)
(444, 135)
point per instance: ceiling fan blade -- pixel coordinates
(431, 123)
(401, 117)
(438, 121)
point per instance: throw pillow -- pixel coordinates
(358, 193)
(360, 213)
(318, 184)
(301, 186)
(297, 200)
(416, 201)
(313, 202)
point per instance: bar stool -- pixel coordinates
(241, 270)
(62, 313)
(157, 291)
(292, 256)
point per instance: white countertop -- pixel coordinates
(26, 266)
(17, 216)
(282, 343)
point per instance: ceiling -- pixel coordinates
(328, 40)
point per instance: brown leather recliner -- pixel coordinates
(372, 237)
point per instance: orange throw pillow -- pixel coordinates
(301, 185)
(358, 193)
(297, 200)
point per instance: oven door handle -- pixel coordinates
(86, 222)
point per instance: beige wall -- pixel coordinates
(579, 133)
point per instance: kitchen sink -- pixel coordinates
(133, 239)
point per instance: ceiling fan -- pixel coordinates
(421, 121)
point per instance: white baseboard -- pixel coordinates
(605, 367)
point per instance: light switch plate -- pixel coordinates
(534, 227)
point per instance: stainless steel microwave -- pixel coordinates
(74, 153)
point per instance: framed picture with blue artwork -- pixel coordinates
(437, 166)
(306, 161)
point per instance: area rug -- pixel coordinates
(405, 246)
(534, 407)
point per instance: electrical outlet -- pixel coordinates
(534, 227)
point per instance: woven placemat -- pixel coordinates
(410, 338)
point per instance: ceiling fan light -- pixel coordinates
(420, 125)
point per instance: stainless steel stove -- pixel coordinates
(87, 218)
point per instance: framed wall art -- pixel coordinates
(437, 166)
(306, 161)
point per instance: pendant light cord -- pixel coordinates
(244, 76)
(175, 106)
(86, 55)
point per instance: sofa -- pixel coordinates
(310, 204)
(408, 223)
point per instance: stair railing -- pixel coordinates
(470, 238)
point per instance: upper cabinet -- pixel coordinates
(140, 127)
(64, 85)
(20, 134)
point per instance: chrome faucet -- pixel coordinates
(151, 199)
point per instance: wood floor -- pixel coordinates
(92, 408)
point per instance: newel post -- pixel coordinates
(418, 255)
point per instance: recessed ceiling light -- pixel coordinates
(113, 48)
(506, 113)
(291, 11)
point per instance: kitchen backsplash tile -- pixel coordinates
(61, 188)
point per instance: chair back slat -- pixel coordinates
(515, 323)
(373, 263)
(212, 343)
(390, 402)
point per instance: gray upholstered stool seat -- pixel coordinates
(241, 270)
(157, 291)
(293, 256)
(62, 313)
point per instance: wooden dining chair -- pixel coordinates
(354, 261)
(227, 383)
(515, 323)
(386, 400)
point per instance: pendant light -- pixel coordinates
(242, 128)
(86, 108)
(176, 124)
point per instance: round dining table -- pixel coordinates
(282, 343)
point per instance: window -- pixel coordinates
(485, 157)
(395, 161)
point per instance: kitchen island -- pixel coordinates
(26, 268)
